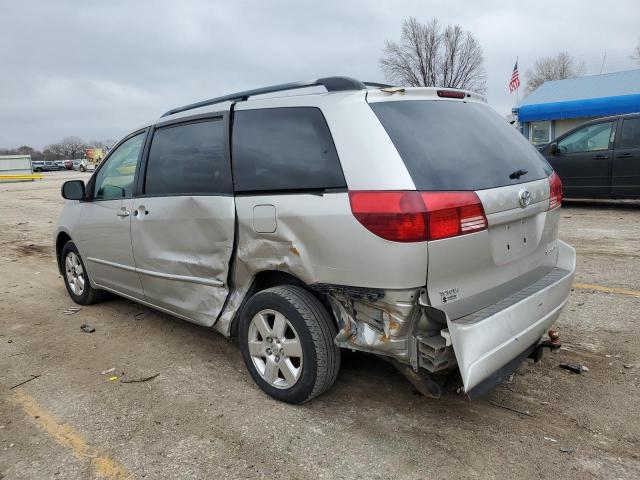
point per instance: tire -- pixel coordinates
(37, 170)
(308, 323)
(76, 278)
(82, 168)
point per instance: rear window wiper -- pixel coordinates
(517, 174)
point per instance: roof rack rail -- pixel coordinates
(378, 85)
(332, 84)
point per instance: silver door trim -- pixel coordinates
(168, 276)
(111, 264)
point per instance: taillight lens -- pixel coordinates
(418, 216)
(555, 191)
(451, 94)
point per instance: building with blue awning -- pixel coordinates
(560, 105)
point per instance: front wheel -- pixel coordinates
(76, 278)
(286, 338)
(82, 168)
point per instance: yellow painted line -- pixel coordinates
(35, 176)
(599, 288)
(65, 435)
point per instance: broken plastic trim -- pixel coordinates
(356, 293)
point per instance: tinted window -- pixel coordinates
(587, 139)
(284, 149)
(630, 135)
(115, 178)
(451, 145)
(188, 158)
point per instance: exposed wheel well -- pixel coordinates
(272, 278)
(61, 239)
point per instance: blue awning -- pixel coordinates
(591, 107)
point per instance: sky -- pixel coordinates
(99, 69)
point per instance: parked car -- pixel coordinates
(412, 223)
(83, 165)
(38, 166)
(600, 159)
(53, 165)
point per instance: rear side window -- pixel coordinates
(630, 135)
(188, 159)
(284, 149)
(453, 145)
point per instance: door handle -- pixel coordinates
(602, 157)
(624, 155)
(123, 213)
(140, 211)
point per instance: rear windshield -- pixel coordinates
(453, 145)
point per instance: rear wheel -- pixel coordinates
(286, 338)
(82, 168)
(76, 278)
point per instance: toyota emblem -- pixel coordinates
(525, 198)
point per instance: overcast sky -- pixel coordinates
(98, 69)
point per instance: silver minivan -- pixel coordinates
(411, 223)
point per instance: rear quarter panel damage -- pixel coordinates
(319, 241)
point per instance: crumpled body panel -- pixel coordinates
(317, 240)
(182, 248)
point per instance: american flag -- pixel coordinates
(514, 83)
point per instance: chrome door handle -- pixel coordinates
(123, 213)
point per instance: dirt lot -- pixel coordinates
(202, 416)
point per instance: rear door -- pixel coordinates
(626, 159)
(183, 219)
(583, 160)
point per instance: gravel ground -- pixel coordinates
(202, 416)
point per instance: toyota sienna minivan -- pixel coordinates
(301, 219)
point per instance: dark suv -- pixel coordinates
(600, 159)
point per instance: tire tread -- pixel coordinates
(322, 329)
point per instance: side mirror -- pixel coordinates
(73, 190)
(553, 150)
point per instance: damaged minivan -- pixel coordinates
(301, 219)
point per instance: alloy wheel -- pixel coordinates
(75, 273)
(275, 349)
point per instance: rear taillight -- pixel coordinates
(555, 191)
(408, 216)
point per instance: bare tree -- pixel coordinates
(636, 53)
(559, 67)
(428, 55)
(55, 151)
(72, 146)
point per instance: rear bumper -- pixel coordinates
(497, 338)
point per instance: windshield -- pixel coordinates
(453, 145)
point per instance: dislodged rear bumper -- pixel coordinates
(501, 335)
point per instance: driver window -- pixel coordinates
(588, 139)
(115, 178)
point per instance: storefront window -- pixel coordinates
(540, 132)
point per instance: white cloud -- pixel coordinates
(99, 69)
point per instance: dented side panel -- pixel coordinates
(182, 248)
